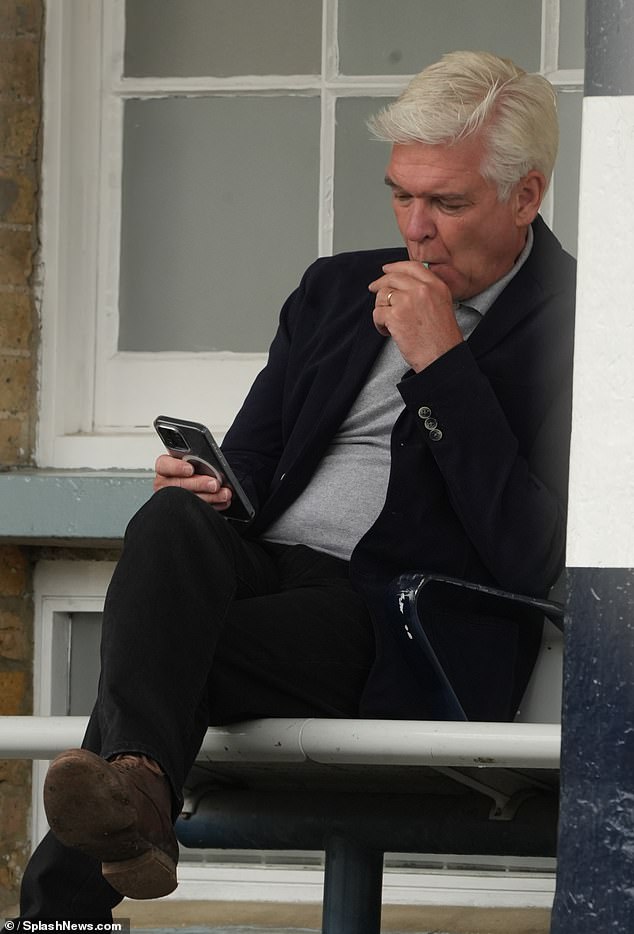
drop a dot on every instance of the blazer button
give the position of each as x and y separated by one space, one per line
431 423
435 434
424 411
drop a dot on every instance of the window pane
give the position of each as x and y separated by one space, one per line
222 37
403 36
219 207
363 215
571 33
85 638
566 176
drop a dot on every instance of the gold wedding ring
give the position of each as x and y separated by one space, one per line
389 298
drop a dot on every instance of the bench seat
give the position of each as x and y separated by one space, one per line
355 789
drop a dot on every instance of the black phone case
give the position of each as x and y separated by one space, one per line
203 452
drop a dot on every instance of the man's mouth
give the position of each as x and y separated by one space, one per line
427 263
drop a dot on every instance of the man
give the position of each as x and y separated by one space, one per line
413 414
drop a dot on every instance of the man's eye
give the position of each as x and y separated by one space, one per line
451 207
402 196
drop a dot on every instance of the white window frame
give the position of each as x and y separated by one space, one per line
84 379
60 588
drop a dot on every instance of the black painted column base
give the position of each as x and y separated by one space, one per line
595 878
352 888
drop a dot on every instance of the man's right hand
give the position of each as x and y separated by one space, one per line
172 471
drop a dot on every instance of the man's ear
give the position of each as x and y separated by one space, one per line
528 195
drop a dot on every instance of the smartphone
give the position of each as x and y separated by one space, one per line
193 442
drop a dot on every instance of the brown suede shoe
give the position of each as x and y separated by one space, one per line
120 813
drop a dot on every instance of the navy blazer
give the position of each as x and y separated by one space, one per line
482 496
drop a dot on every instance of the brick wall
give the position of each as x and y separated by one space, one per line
20 110
15 698
21 23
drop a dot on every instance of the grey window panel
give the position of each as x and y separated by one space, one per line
85 638
220 200
566 175
571 33
222 37
363 212
403 36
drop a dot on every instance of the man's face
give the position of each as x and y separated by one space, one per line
449 216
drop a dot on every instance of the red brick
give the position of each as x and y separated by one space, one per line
21 17
14 644
18 193
15 440
14 571
16 319
14 695
16 256
16 384
14 772
19 75
18 129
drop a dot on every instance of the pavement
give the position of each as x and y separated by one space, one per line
202 917
207 917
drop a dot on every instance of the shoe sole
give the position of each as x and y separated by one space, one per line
87 809
151 875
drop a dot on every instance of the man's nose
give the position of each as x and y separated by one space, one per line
420 223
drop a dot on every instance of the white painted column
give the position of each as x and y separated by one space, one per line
596 829
601 512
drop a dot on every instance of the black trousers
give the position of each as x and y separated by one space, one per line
200 628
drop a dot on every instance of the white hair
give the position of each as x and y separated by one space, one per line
467 93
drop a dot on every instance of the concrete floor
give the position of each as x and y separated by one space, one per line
274 918
203 917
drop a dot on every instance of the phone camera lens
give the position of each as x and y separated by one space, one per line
173 439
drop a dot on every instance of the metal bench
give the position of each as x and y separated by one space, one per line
359 788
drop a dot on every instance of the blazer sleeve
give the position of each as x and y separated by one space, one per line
506 481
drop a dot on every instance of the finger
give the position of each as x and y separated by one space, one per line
379 318
379 284
203 483
161 481
404 279
410 266
400 278
384 297
196 483
403 285
168 466
207 488
212 500
220 500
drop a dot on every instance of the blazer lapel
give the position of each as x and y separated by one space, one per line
523 293
339 383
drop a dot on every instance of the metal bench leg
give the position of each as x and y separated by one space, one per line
352 888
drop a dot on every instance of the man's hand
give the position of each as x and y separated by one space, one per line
414 307
172 471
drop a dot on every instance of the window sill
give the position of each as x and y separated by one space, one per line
70 507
